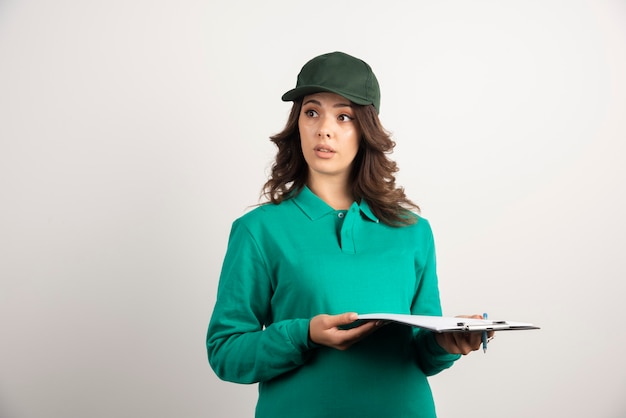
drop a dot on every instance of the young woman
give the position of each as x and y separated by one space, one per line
336 237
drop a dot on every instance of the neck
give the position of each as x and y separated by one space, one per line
335 193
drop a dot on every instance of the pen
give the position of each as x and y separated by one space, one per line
485 336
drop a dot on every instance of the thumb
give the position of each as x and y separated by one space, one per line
344 318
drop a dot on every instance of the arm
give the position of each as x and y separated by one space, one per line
431 356
243 344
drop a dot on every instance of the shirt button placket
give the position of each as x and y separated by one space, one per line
347 230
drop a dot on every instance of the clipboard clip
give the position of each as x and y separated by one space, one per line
491 326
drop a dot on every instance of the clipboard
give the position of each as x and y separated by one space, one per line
450 324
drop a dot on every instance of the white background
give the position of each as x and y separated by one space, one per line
132 133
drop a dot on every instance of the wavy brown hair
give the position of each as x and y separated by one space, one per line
372 177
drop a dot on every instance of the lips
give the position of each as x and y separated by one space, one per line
324 149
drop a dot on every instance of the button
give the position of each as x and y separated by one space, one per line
341 215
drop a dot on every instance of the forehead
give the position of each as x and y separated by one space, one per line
326 98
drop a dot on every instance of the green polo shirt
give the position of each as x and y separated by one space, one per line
287 263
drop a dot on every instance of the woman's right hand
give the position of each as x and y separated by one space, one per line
325 330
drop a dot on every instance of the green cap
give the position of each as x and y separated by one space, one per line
339 73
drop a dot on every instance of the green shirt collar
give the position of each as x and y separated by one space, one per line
315 208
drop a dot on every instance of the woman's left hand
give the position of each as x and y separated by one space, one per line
462 342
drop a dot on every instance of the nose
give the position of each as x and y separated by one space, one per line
324 129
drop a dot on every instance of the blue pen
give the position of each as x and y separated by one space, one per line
485 336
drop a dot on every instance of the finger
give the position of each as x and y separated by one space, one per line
346 338
364 329
451 342
462 342
341 319
475 340
475 316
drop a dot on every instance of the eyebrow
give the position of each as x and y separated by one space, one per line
316 102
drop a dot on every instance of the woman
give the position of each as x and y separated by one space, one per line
337 237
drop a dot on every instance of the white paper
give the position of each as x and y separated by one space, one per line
450 324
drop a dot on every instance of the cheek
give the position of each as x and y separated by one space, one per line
355 142
305 131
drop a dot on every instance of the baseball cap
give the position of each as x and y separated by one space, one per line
339 73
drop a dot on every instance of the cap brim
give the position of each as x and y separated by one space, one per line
302 91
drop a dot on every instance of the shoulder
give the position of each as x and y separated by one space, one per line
420 229
264 214
267 225
422 223
416 222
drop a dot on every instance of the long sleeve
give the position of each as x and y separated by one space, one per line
431 357
243 344
287 263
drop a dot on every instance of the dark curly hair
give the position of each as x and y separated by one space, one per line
372 177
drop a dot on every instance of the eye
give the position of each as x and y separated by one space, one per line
345 118
310 113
